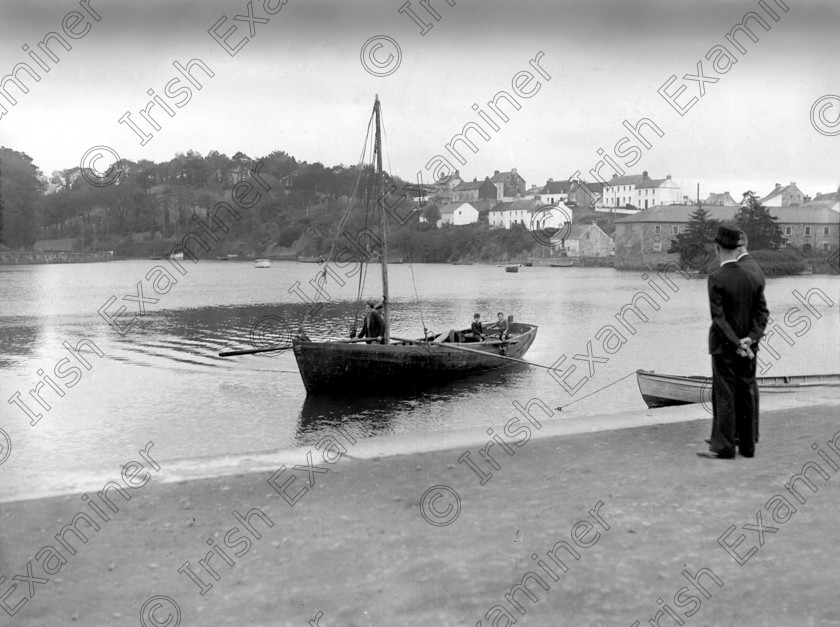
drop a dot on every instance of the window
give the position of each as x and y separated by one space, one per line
787 230
826 246
675 230
657 247
825 230
807 230
657 230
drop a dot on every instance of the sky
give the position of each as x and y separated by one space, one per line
298 84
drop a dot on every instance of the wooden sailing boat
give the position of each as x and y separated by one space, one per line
342 365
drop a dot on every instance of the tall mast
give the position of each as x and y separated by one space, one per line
382 225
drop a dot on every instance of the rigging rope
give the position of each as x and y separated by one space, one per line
632 372
417 298
322 276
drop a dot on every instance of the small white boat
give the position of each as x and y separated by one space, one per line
262 263
663 390
179 256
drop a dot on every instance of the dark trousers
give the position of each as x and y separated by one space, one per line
734 403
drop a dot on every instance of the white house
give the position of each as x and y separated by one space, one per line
554 192
641 191
653 192
504 214
458 214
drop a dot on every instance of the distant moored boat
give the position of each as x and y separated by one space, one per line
262 263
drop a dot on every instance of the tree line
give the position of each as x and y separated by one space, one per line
150 205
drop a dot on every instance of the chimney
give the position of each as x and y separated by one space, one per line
645 174
668 177
513 170
550 180
495 173
778 186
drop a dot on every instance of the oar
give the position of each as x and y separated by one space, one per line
252 351
472 350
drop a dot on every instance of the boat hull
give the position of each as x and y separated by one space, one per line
664 390
370 368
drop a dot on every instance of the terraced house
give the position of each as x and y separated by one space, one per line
640 191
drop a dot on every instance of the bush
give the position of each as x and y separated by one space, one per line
784 262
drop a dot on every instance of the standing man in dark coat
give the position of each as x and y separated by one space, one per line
739 317
747 262
374 323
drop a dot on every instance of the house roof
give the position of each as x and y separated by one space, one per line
819 212
454 206
630 179
517 205
556 187
503 176
723 199
812 213
464 186
781 190
578 230
595 188
652 183
835 196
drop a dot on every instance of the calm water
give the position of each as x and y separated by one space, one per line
163 381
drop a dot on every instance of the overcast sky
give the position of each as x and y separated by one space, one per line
298 85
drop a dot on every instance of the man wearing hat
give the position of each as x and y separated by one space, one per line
374 324
746 261
739 317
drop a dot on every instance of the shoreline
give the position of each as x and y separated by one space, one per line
355 547
416 443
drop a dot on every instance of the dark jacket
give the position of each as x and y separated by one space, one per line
373 326
738 308
750 264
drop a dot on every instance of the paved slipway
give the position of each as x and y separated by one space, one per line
354 549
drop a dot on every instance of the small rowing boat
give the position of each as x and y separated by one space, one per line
663 390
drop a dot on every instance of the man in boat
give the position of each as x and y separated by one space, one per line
739 317
476 328
502 324
374 324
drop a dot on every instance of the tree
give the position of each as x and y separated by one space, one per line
21 184
432 214
696 244
761 228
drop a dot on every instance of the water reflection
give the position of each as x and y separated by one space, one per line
379 411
